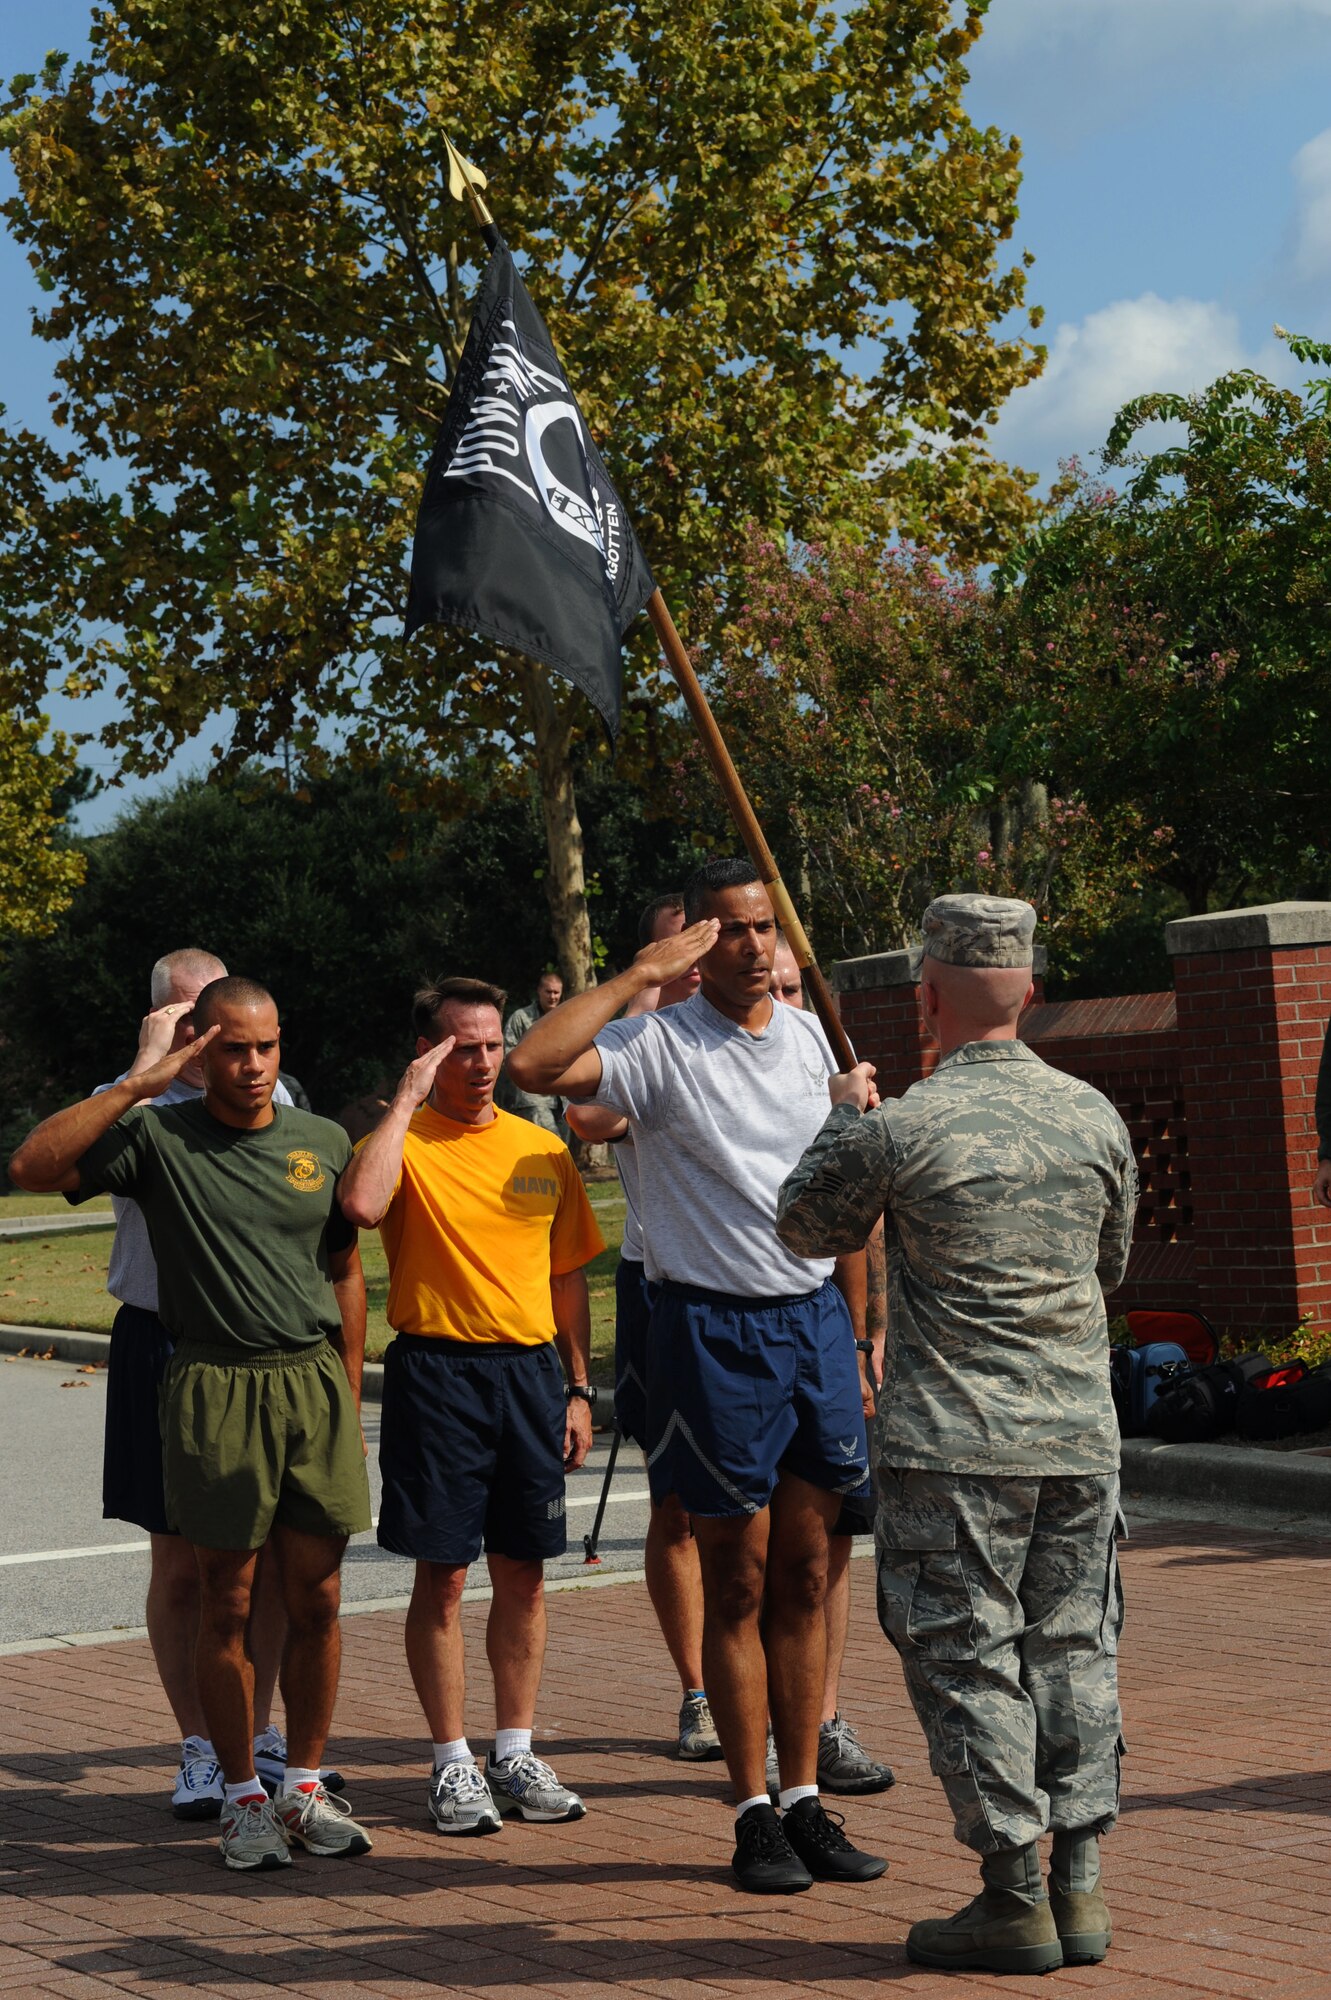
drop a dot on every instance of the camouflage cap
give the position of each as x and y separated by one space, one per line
986 931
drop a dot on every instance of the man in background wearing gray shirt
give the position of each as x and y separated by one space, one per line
132 1453
754 1406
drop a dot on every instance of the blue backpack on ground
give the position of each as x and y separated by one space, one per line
1137 1376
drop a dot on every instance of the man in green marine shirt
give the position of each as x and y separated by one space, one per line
262 1292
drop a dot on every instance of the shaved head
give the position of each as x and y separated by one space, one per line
183 973
984 996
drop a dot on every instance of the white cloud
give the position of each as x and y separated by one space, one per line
1097 364
1311 167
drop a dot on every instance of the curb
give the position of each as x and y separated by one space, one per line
17 1230
1224 1475
68 1345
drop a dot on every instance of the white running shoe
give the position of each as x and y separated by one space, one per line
319 1824
460 1800
523 1784
253 1836
198 1793
270 1761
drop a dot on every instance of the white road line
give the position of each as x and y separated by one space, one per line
134 1548
76 1555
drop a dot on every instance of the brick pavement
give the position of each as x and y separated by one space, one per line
1218 1873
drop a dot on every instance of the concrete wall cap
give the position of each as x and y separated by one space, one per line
898 968
1264 926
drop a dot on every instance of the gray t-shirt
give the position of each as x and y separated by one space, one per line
131 1274
718 1119
626 1161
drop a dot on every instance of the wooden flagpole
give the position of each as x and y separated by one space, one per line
464 183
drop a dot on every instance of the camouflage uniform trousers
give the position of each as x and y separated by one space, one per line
1002 1596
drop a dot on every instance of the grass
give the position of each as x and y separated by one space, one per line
60 1281
50 1204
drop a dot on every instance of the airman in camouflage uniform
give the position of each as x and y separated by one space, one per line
1009 1191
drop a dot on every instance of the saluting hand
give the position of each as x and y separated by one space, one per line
151 1082
855 1086
157 1032
671 957
418 1077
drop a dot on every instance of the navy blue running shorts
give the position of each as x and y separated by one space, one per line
632 1311
471 1448
132 1451
739 1388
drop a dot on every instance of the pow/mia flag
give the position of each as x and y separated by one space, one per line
520 535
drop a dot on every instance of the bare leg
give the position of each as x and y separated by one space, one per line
223 1670
836 1618
794 1632
733 1554
312 1590
434 1647
268 1633
674 1584
172 1618
515 1639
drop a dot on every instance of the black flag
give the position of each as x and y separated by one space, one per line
521 536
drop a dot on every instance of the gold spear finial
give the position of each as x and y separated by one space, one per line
465 182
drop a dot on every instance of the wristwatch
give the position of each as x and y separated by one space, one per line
864 1346
586 1391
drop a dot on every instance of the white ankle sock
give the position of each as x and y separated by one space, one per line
510 1743
202 1746
456 1752
248 1788
758 1799
295 1780
790 1795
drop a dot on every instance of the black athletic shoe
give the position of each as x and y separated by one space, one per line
764 1861
817 1839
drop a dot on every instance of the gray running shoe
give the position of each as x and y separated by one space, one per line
321 1825
270 1761
253 1836
844 1765
460 1800
523 1784
198 1793
773 1770
698 1740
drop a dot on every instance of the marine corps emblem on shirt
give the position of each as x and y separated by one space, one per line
304 1171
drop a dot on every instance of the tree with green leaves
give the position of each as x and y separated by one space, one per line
1187 622
900 744
39 870
767 240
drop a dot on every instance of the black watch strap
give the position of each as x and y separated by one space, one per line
864 1346
584 1391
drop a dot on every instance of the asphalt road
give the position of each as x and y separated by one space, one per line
65 1573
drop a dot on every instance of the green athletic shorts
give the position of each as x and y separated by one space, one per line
253 1439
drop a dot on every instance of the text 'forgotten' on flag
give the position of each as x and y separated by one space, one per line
521 537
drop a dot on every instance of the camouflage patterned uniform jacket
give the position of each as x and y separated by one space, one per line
1009 1190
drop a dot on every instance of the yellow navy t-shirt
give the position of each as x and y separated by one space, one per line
481 1218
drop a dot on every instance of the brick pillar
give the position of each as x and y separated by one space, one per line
1254 993
879 997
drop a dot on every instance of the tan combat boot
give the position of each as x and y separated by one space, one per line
1008 1927
1080 1911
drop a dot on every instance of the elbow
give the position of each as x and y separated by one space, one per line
793 1238
22 1171
356 1210
521 1071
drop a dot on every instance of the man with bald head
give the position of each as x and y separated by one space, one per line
263 1298
1008 1190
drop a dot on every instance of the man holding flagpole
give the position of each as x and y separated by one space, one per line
754 1406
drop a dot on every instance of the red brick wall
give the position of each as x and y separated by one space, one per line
1215 1083
1251 1026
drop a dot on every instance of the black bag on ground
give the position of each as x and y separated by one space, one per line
1202 1405
1286 1402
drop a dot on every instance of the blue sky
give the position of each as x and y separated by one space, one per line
1177 199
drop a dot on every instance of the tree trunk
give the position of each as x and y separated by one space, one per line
565 882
